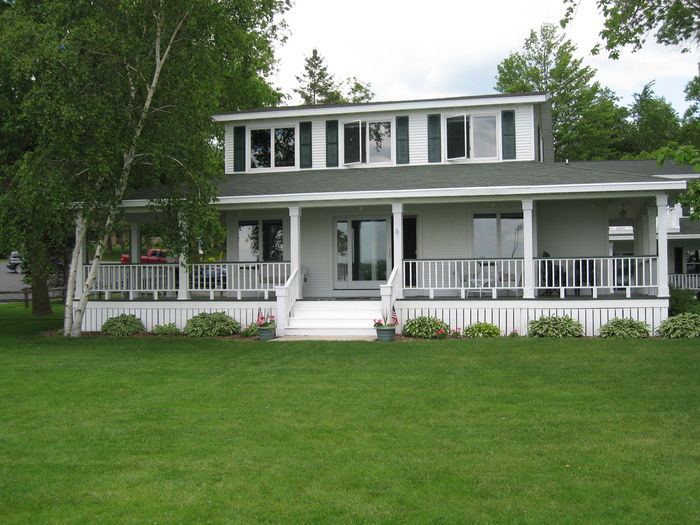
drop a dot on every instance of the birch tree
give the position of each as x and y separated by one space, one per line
124 103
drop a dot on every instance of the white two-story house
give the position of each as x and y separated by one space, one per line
454 208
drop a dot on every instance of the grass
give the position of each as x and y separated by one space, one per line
102 430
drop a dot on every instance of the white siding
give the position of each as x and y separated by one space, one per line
572 228
228 148
418 138
318 143
524 133
442 230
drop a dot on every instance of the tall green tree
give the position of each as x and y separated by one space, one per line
654 121
587 123
318 86
119 99
629 23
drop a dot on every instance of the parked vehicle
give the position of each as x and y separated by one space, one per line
14 262
153 256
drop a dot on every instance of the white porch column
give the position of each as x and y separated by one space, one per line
528 250
649 219
135 243
662 250
82 259
183 293
397 211
295 242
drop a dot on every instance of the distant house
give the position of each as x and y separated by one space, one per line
337 215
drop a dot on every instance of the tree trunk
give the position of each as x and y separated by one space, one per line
41 303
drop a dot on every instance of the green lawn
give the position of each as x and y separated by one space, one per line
510 431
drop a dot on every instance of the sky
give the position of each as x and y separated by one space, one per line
410 50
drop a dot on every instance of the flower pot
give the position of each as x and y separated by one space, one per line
265 333
386 333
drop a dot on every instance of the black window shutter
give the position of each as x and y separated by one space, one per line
305 144
331 143
508 132
239 148
434 138
402 140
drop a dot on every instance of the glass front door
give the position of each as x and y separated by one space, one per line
362 252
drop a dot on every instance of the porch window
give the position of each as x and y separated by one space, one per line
250 247
272 147
498 235
692 261
363 138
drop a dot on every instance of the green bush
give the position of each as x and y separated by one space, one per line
482 330
681 326
624 329
425 327
122 325
166 329
683 301
211 324
251 330
553 326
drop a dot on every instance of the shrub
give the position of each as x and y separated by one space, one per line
251 330
211 324
553 326
681 326
482 330
166 329
683 301
425 327
624 329
513 333
122 325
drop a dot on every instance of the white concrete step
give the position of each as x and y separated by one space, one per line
330 323
332 331
336 314
337 305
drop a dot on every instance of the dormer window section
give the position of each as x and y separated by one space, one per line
367 141
273 147
457 137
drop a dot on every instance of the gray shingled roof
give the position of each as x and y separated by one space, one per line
645 167
690 226
416 177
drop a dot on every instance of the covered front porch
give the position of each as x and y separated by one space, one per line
467 251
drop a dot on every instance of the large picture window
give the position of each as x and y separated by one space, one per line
367 141
273 147
498 235
251 247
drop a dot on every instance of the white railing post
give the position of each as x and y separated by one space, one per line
662 250
528 249
397 211
282 318
183 293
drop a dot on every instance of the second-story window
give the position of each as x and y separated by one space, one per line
272 147
367 142
471 137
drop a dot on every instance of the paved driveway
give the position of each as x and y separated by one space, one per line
10 281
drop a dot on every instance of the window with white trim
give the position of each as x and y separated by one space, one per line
367 142
471 136
498 235
273 147
251 247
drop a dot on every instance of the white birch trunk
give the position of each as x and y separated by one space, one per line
75 267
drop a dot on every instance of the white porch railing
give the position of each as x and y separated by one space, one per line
134 278
238 277
466 275
684 281
595 273
389 293
287 295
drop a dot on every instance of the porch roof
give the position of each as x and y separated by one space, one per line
522 177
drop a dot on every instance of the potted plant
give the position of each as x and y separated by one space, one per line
266 327
386 331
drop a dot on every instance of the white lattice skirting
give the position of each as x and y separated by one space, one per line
516 314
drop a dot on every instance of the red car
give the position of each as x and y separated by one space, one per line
153 256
